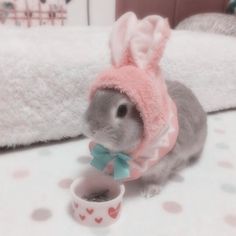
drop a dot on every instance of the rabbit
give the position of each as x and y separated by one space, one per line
115 119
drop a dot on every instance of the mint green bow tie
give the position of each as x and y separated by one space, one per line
102 156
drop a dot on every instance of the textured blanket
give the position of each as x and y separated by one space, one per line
210 22
45 74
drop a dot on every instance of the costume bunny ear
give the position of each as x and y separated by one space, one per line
148 42
120 38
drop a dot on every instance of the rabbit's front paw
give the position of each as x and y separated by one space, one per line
150 190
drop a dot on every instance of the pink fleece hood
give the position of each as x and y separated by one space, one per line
136 49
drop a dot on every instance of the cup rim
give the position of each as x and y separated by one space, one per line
86 202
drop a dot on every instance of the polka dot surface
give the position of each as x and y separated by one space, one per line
220 131
41 214
226 164
20 173
228 188
230 220
222 146
217 118
65 183
34 190
44 152
172 207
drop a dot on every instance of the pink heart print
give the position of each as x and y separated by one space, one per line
82 217
113 212
89 210
98 220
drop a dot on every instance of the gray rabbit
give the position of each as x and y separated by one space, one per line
114 120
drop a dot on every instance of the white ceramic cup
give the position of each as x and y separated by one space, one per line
92 213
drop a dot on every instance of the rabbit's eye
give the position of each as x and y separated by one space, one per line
122 111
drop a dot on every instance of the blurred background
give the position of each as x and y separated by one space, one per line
102 12
69 12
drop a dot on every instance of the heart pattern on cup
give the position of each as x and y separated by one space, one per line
89 210
98 220
113 212
85 214
82 217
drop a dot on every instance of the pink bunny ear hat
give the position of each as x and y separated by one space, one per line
137 47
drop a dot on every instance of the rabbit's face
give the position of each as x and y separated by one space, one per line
113 121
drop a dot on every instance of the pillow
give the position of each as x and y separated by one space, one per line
211 23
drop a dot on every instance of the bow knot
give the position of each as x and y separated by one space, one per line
102 157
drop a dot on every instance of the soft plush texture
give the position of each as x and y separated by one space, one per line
210 22
157 110
45 76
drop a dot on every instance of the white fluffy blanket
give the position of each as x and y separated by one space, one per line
45 75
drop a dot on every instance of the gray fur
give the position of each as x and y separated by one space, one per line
190 141
124 134
102 125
